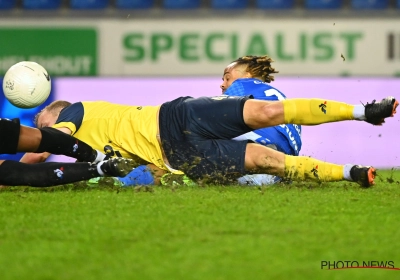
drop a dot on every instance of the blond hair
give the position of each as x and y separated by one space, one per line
54 108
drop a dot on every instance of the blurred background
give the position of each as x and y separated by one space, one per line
145 52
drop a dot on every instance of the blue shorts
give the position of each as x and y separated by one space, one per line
196 136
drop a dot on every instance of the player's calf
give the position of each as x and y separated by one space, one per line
59 143
46 174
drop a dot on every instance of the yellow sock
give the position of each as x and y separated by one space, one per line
316 111
306 168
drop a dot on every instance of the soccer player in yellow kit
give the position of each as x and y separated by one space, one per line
108 127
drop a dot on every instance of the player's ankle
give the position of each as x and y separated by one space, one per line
98 156
359 112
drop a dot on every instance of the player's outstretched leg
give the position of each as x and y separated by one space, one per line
317 111
60 143
48 174
376 112
310 168
301 168
20 138
260 159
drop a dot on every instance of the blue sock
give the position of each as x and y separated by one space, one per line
141 175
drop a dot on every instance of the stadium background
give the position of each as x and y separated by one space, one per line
147 52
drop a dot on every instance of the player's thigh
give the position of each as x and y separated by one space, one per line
215 117
261 113
261 159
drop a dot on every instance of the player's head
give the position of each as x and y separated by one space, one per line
251 66
48 116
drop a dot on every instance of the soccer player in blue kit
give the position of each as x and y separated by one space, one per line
250 75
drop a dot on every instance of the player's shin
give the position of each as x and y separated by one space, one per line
316 111
59 143
45 174
299 168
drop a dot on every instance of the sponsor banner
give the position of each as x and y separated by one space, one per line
353 142
187 47
62 51
204 47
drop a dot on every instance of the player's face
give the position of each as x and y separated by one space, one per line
231 74
46 119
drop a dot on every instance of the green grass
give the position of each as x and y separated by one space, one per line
213 232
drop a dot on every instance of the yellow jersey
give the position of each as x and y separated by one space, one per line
131 131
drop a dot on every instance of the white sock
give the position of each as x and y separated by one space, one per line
359 112
346 172
101 173
100 156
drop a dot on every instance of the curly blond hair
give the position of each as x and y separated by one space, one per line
258 66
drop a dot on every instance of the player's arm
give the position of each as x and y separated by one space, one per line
34 158
41 157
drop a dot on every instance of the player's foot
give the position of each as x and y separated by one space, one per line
364 175
376 112
117 167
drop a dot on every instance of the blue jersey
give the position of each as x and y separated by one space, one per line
286 137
